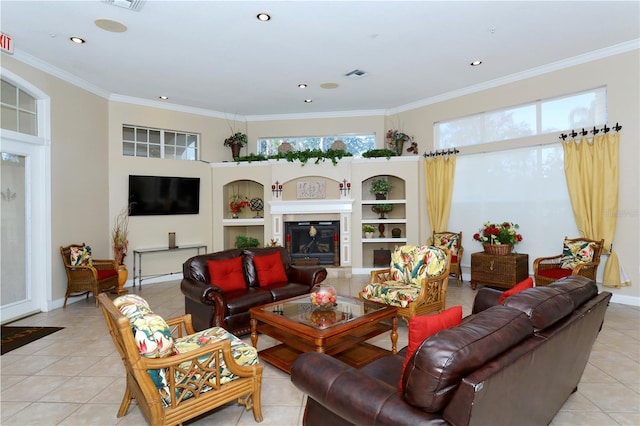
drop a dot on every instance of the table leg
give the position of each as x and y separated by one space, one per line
394 335
254 333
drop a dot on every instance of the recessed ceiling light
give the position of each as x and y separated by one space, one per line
308 101
263 17
77 40
302 85
164 98
475 63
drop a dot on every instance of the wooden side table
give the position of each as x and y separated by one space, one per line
499 271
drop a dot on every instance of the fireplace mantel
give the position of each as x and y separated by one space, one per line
311 206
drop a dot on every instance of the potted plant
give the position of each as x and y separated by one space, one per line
380 188
120 243
498 238
242 241
368 230
382 209
396 140
236 141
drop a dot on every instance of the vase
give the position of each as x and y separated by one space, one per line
498 249
381 230
323 296
381 196
399 146
122 278
234 215
368 235
235 150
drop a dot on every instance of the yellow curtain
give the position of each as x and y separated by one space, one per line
439 174
591 170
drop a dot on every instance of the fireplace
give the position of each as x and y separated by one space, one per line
313 240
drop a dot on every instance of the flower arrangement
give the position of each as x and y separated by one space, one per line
119 235
499 233
396 140
237 138
368 228
237 203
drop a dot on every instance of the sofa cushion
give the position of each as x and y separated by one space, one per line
106 273
555 273
441 361
423 326
80 256
578 288
448 240
576 252
544 305
522 285
270 269
409 264
227 273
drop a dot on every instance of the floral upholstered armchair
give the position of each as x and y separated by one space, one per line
416 281
580 256
452 241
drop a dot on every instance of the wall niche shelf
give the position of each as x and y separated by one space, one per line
246 224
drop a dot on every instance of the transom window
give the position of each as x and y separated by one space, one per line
576 111
18 110
356 143
158 143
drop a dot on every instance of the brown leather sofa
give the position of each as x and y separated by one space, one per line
510 364
210 306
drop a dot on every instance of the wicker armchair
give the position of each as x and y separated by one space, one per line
95 276
580 256
195 378
416 281
451 241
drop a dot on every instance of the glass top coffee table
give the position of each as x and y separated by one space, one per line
341 332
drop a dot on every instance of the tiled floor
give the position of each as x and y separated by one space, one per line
75 376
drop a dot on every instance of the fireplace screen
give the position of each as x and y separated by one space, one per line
314 240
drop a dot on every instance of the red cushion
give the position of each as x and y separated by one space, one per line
423 326
454 259
556 273
106 273
227 274
270 269
522 285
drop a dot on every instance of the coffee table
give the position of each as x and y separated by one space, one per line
341 332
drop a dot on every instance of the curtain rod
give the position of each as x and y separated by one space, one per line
436 153
593 131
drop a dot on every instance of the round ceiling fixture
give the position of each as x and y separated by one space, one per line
110 25
77 40
264 17
302 86
329 85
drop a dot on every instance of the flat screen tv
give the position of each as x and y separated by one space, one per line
163 195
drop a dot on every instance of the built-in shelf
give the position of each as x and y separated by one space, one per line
385 240
243 222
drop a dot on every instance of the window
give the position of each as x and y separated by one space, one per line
18 111
356 143
158 143
581 110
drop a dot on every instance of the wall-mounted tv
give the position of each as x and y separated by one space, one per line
163 195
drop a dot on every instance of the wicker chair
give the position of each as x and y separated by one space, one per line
201 388
98 276
425 291
451 241
580 256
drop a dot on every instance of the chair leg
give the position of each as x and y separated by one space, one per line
126 402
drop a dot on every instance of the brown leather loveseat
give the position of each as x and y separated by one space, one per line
510 364
237 284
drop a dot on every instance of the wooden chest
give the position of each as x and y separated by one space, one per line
498 271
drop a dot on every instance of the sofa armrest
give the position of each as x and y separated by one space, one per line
307 275
203 293
486 297
340 389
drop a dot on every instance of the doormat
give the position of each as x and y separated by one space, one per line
15 337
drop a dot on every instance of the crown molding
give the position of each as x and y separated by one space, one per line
534 72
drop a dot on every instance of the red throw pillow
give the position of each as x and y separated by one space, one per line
270 269
522 285
423 326
227 274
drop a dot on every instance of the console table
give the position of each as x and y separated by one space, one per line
137 255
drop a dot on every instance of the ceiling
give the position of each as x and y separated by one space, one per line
216 56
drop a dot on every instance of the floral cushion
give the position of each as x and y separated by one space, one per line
80 256
575 253
409 264
448 240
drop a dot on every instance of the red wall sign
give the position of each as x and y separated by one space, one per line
6 43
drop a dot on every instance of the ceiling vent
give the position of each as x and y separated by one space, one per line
127 4
356 74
